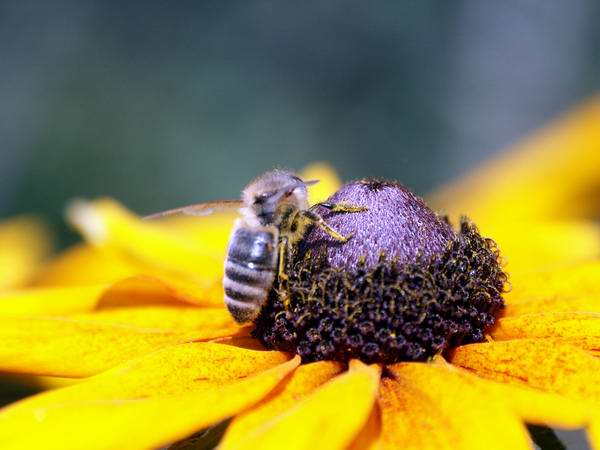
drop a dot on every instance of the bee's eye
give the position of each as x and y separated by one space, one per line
262 198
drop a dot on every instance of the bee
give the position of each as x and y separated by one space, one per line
274 217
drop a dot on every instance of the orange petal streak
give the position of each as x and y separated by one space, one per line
421 413
552 324
580 329
459 410
549 366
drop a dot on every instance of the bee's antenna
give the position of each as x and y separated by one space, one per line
310 182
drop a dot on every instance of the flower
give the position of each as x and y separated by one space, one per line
403 288
137 314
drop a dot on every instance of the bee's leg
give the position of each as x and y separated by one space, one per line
283 256
282 269
341 207
317 220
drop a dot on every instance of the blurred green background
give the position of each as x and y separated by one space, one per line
165 103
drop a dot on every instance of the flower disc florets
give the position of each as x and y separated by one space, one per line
405 287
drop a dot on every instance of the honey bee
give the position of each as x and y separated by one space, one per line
275 216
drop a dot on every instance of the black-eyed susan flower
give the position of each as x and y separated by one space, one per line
137 315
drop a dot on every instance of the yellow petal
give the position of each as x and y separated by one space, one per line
44 383
580 329
125 282
440 406
550 174
552 305
76 348
531 405
211 232
135 424
139 291
548 325
105 223
551 367
369 438
589 343
332 416
441 413
24 243
149 289
304 380
175 369
594 434
241 341
50 301
329 182
533 246
83 265
171 318
581 280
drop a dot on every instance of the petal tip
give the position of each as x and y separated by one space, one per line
82 215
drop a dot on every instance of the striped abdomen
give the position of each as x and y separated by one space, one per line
249 269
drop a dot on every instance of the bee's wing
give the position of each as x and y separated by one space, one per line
200 209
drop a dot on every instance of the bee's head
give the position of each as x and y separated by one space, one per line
264 196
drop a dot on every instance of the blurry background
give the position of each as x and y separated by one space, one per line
166 103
